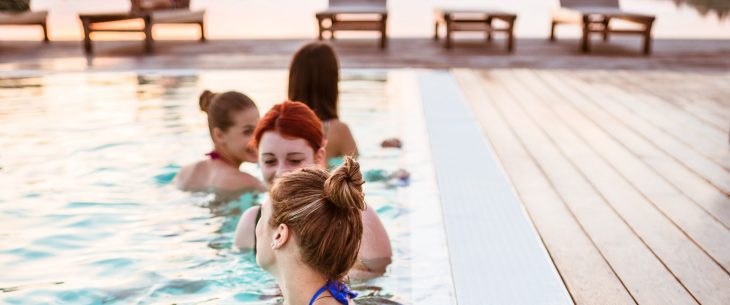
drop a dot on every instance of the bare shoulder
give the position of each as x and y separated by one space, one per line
184 178
237 180
341 140
339 127
246 228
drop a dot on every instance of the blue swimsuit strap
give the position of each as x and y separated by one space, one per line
338 290
320 291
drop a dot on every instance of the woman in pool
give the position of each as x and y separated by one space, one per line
310 231
313 79
290 137
232 119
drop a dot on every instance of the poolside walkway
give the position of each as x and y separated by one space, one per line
619 53
625 175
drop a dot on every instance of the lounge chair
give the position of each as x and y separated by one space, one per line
179 13
473 20
26 18
594 17
372 15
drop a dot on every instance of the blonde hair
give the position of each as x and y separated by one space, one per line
324 211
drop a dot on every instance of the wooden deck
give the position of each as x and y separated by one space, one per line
624 174
539 53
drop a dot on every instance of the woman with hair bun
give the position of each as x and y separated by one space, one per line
290 137
310 231
232 119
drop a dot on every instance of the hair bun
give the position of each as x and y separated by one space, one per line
204 101
344 186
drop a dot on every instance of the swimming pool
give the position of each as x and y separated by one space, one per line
88 214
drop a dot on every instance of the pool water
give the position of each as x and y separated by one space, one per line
88 214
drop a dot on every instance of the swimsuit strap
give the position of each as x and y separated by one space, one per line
258 217
338 290
214 155
316 294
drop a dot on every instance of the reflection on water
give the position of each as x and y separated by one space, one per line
88 214
721 8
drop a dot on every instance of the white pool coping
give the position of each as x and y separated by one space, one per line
495 253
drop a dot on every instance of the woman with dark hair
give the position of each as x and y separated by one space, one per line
232 119
289 137
313 80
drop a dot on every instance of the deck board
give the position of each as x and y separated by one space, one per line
598 162
706 140
695 222
587 275
613 238
695 175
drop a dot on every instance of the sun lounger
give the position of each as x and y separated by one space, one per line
474 20
372 15
179 14
26 18
594 17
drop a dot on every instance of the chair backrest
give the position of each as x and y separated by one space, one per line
589 3
136 4
382 3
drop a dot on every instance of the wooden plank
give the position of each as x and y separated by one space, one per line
701 227
586 274
651 283
619 176
495 253
640 138
699 88
694 133
691 91
692 100
715 173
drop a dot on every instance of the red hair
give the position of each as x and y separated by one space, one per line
291 119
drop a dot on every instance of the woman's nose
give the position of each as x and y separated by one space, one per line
282 169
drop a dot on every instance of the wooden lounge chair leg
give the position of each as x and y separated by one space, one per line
647 37
489 32
87 36
605 29
448 42
436 30
321 27
383 33
511 36
148 34
585 41
552 30
202 32
333 19
44 25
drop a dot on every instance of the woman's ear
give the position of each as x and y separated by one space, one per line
281 237
319 156
217 135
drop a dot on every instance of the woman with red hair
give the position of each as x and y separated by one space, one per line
290 137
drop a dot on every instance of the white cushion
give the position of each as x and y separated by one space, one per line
177 16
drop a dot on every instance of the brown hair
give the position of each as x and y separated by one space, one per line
313 79
324 212
220 106
293 119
